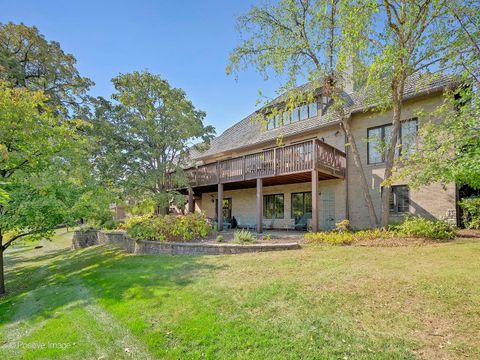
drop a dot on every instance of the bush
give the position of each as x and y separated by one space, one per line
330 237
112 225
244 236
220 238
424 228
471 212
168 228
343 237
342 226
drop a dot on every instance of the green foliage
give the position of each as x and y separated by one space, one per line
450 146
410 227
424 228
93 205
342 226
40 170
144 136
220 238
471 212
346 237
188 227
244 237
28 60
112 224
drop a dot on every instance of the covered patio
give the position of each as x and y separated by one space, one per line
304 162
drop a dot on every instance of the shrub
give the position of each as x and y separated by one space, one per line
330 237
111 224
244 236
421 227
219 238
471 212
142 228
169 227
342 226
346 237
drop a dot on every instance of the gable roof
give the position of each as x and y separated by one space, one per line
248 132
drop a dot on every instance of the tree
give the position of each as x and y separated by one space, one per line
308 40
145 135
36 180
410 37
451 147
28 60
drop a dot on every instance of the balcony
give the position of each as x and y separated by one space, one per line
280 161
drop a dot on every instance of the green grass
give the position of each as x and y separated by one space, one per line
320 302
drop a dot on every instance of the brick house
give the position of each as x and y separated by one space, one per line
310 180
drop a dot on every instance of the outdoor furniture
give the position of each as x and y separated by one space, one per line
302 224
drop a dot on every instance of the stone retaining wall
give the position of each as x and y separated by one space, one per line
82 239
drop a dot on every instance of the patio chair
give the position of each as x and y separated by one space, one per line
302 224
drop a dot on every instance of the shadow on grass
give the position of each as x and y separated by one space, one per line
40 286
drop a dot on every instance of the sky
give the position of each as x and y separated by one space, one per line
186 42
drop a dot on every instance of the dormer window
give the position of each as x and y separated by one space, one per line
297 114
304 112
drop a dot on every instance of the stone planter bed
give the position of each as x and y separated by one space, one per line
82 239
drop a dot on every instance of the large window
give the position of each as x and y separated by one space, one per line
399 199
273 206
379 137
301 206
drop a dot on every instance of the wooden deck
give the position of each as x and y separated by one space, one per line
277 162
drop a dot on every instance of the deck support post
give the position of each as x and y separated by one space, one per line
314 200
191 207
220 207
259 205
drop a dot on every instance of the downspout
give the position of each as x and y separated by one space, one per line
347 202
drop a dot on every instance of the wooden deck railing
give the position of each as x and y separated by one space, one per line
289 159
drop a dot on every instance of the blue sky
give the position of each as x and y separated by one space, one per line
186 42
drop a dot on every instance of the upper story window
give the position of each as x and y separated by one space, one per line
287 117
379 137
399 199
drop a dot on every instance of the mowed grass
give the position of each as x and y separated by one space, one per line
320 302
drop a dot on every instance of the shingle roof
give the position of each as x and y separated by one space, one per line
248 132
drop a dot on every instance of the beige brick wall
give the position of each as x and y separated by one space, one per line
244 202
430 201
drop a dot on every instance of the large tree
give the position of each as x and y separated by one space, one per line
39 176
28 60
305 40
145 135
409 38
451 147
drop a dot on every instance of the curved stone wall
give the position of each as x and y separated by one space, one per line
82 239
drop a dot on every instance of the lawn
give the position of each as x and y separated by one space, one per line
315 303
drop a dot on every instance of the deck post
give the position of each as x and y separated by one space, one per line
314 200
314 153
259 205
191 207
220 207
275 161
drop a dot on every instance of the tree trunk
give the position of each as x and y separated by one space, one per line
358 163
397 93
2 277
